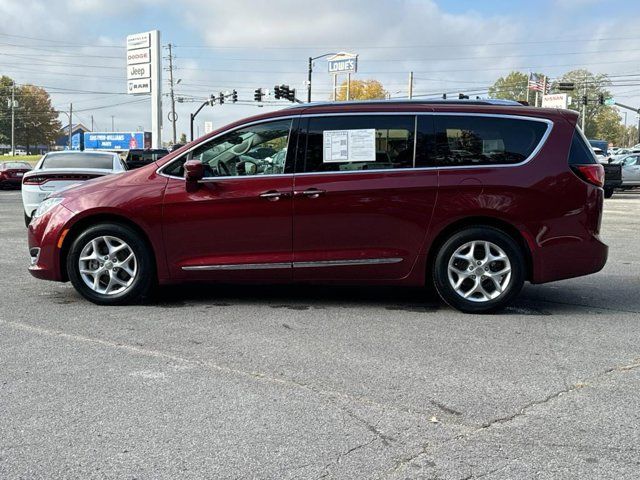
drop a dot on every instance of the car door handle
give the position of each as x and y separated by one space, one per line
274 195
310 193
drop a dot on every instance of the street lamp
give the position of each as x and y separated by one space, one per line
311 59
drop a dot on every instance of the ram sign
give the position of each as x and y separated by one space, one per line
343 63
116 140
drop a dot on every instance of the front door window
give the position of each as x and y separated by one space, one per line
255 150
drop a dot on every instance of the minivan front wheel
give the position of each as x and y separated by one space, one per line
479 270
110 264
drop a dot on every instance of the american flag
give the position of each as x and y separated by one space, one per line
537 82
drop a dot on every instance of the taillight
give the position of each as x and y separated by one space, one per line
592 173
40 179
34 180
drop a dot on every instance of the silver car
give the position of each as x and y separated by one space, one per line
630 170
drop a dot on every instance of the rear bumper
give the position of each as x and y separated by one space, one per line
44 234
10 182
569 259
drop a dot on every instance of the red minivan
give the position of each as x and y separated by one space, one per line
474 196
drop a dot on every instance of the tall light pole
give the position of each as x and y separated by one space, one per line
310 72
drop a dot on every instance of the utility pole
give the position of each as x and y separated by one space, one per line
173 100
70 123
410 85
92 123
584 104
309 73
13 119
112 124
348 86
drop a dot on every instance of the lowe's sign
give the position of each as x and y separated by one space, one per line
116 140
343 63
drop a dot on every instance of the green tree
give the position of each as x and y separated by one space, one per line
512 87
592 85
361 90
608 126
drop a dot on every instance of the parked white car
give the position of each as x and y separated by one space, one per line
630 170
58 170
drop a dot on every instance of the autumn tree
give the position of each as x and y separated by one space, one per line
5 109
36 121
361 90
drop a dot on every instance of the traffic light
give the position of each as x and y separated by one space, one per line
584 100
566 86
462 96
277 92
212 100
601 99
221 98
284 92
234 96
257 94
444 96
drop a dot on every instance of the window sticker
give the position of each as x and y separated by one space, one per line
349 145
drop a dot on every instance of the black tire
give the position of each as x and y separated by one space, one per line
145 280
608 192
479 233
27 220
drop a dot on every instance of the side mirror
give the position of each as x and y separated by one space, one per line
193 173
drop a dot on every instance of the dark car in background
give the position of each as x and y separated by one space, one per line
476 197
11 173
137 158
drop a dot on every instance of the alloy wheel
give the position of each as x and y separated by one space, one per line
479 271
107 265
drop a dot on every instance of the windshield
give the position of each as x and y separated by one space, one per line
10 165
78 160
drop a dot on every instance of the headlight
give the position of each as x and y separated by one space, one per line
47 205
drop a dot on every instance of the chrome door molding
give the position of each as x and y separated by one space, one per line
316 264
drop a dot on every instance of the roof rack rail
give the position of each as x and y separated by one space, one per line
488 101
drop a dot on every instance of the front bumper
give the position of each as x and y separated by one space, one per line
44 233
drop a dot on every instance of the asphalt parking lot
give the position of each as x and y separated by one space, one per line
311 382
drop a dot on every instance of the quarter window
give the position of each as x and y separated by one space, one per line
359 142
256 150
461 140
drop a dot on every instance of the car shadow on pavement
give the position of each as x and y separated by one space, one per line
299 297
306 297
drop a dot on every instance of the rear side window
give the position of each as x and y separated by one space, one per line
581 152
462 140
359 142
78 160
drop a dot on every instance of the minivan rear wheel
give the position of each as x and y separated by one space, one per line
110 264
479 270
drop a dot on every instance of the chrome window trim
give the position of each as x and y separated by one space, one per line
316 264
532 155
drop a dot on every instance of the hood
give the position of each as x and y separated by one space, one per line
131 178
